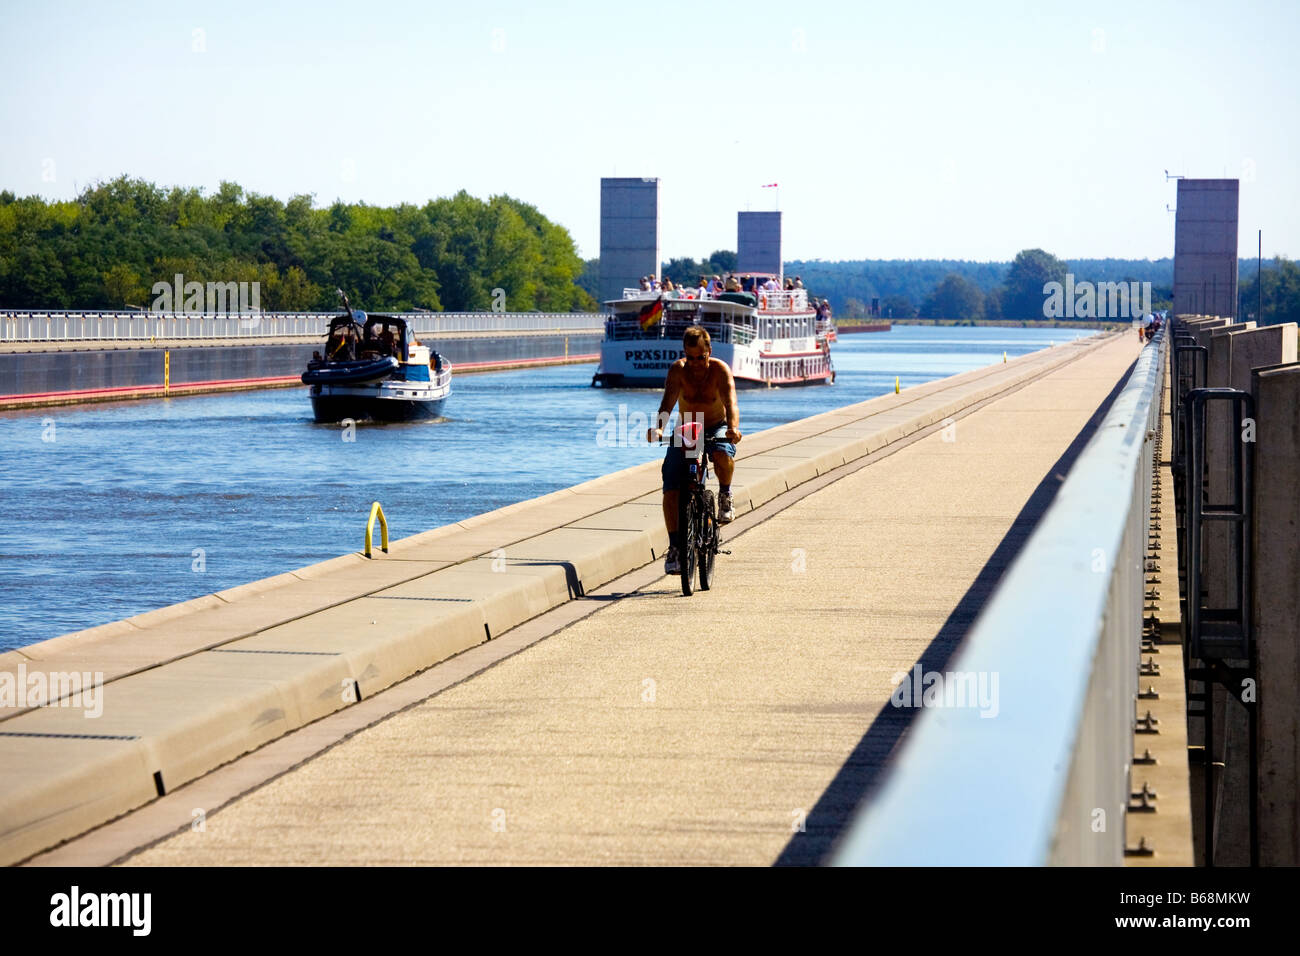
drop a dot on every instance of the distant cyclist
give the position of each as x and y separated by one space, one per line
704 390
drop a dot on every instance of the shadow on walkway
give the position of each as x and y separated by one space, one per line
861 772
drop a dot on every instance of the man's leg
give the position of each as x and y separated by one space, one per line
670 511
724 466
672 475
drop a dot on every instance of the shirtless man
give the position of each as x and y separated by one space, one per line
703 390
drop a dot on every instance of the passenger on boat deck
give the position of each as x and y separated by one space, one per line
645 283
733 284
668 287
770 285
702 290
798 282
747 284
715 286
789 285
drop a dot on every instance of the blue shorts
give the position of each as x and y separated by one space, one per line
674 461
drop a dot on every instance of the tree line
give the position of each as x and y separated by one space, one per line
108 247
958 289
965 290
1281 298
932 288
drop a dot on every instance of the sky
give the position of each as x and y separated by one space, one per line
894 130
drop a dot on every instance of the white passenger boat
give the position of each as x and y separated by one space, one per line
768 339
374 369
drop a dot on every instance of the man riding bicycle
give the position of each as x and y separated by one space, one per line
704 390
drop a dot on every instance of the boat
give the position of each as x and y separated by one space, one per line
767 338
374 369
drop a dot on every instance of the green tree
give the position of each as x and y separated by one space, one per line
993 304
1281 283
854 309
123 287
589 278
897 307
954 298
296 293
683 271
1022 295
120 237
721 262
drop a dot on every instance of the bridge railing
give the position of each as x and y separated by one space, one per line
1038 771
58 326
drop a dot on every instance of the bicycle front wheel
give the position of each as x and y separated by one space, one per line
688 516
708 540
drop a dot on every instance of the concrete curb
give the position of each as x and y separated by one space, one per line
193 686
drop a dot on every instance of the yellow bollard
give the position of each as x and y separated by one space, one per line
375 510
167 372
1004 358
895 384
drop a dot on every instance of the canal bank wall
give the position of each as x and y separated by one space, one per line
43 374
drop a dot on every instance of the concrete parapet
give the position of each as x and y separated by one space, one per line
1203 330
1234 351
1219 556
1277 610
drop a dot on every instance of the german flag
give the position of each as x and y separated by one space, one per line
651 313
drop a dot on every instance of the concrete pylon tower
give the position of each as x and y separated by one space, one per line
1205 248
758 242
629 233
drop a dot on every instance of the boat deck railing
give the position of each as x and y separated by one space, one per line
740 332
794 300
738 327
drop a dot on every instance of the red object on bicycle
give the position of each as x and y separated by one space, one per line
689 433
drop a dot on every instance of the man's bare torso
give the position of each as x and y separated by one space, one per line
702 393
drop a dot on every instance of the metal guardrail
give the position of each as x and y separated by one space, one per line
54 326
1046 779
376 511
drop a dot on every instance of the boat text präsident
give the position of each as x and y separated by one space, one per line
767 338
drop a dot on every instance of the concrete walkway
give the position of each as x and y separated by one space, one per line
702 730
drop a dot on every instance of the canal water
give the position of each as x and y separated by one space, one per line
115 509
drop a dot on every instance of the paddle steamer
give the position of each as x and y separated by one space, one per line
767 338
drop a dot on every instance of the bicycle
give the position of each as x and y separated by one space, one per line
697 512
